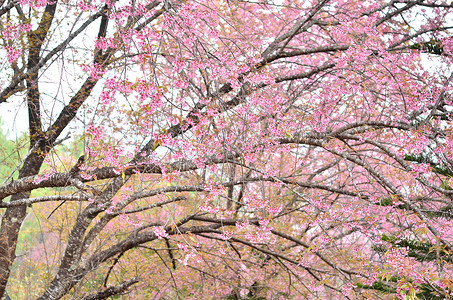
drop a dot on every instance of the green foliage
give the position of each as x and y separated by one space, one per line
28 234
443 212
11 152
422 158
378 285
76 148
388 201
425 291
432 47
421 251
445 186
385 202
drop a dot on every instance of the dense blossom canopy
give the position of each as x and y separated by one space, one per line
280 149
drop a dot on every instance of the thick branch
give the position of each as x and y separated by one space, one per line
112 290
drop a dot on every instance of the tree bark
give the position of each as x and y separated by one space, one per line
12 221
14 216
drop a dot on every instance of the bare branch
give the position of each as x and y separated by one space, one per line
112 290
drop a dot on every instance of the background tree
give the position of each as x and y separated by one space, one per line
231 148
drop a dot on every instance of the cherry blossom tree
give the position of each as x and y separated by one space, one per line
230 149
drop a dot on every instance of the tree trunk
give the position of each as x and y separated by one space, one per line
12 221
